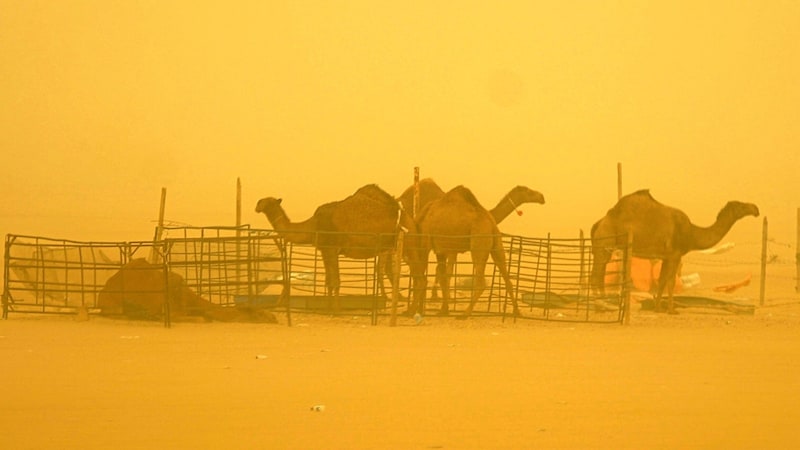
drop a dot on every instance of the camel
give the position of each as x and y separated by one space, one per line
363 225
511 202
457 223
139 290
430 191
659 232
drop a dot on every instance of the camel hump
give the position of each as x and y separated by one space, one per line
376 193
428 182
633 200
642 193
464 193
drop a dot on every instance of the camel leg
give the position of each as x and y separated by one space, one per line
440 267
499 258
600 257
478 284
417 259
666 281
670 283
332 281
384 267
420 281
445 265
420 287
385 270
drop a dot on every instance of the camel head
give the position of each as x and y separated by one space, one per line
271 207
523 194
737 210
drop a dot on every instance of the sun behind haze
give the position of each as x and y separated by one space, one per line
104 103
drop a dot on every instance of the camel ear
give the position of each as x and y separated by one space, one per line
280 200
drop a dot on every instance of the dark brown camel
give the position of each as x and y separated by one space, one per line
457 223
659 232
363 225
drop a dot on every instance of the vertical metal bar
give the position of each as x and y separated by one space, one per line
536 273
764 236
398 257
627 281
80 268
6 264
797 254
582 273
167 308
286 255
547 278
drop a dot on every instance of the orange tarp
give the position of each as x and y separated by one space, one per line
644 275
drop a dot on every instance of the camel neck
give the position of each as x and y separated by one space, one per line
503 209
296 232
707 237
278 219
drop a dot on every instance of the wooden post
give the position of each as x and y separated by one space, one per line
628 282
239 237
764 235
238 202
398 258
154 256
797 254
619 181
415 209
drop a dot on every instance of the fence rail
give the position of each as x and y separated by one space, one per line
236 266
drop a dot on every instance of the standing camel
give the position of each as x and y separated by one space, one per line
363 225
454 224
659 232
429 191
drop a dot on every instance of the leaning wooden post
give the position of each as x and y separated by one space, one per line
764 235
628 281
398 258
154 256
797 255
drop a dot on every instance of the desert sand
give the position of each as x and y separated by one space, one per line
700 379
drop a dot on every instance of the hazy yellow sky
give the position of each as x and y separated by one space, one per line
104 103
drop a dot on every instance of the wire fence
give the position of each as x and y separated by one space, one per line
233 267
229 266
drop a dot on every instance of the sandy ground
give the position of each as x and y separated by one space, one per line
695 380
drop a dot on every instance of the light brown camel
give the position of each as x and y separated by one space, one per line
457 223
363 225
659 232
139 290
430 191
